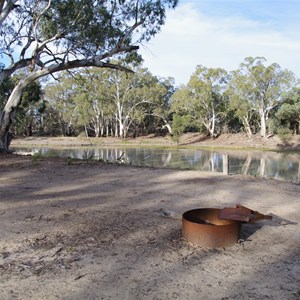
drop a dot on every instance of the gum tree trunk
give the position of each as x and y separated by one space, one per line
263 125
247 126
8 113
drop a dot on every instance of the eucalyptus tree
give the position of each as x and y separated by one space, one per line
132 96
45 37
203 97
29 114
31 107
161 111
154 96
256 88
180 123
288 114
239 105
93 108
110 102
60 117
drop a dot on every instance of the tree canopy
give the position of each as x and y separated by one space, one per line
288 114
251 94
260 88
202 97
107 102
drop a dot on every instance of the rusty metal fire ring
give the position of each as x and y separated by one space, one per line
203 227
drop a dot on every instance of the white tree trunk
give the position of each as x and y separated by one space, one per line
86 131
116 128
9 111
97 126
247 126
168 126
121 129
97 131
263 124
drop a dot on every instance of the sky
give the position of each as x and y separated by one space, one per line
221 34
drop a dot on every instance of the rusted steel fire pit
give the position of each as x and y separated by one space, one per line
203 227
214 228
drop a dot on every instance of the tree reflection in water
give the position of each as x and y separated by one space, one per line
270 164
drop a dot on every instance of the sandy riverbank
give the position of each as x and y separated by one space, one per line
229 141
94 231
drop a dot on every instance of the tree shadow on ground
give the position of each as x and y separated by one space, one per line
196 139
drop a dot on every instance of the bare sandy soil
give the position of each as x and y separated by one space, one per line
95 231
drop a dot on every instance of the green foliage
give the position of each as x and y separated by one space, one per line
29 112
284 134
179 125
82 28
86 26
60 116
203 97
97 99
289 112
181 102
256 88
5 89
240 106
101 100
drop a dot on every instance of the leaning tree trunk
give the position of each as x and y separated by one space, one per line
167 125
247 126
13 102
8 113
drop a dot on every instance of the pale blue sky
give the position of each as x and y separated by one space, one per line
221 33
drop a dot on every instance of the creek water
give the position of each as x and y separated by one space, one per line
269 164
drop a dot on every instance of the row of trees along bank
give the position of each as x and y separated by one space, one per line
100 102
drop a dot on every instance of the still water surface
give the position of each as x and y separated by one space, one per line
278 165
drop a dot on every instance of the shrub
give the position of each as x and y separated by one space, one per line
179 125
284 134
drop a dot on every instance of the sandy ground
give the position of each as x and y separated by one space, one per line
94 231
234 141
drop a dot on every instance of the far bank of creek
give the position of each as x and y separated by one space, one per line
268 164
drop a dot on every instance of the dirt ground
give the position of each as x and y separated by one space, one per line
235 141
95 231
